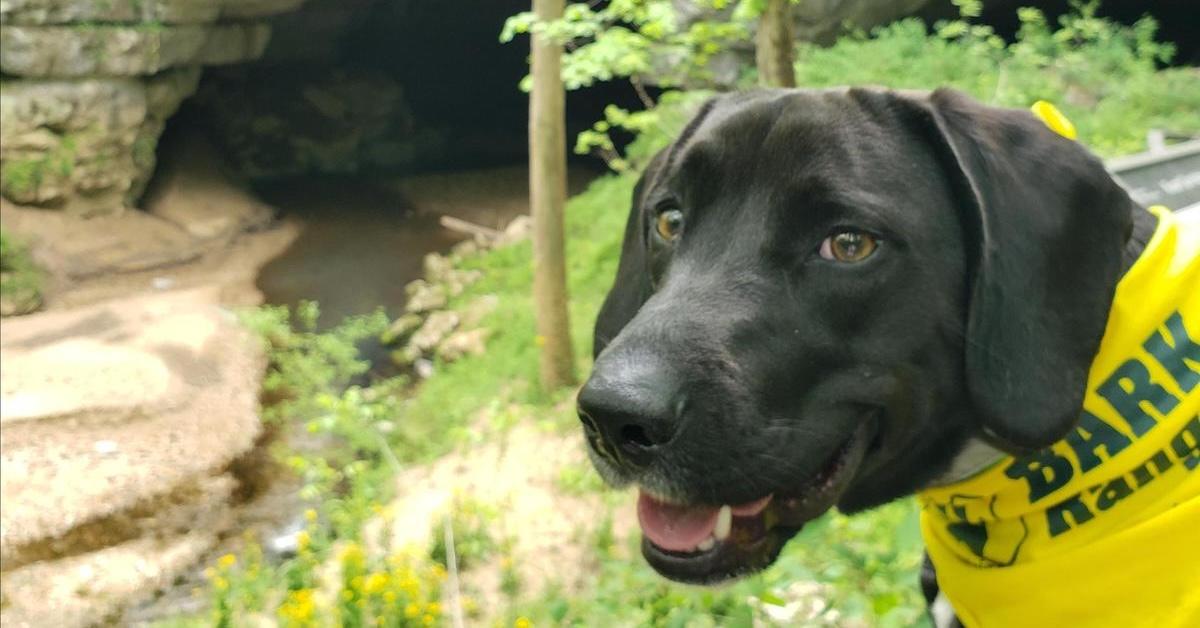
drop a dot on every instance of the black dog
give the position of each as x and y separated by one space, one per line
839 298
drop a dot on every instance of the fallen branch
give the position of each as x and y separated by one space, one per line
469 228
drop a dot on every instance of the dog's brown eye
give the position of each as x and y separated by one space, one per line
670 224
848 246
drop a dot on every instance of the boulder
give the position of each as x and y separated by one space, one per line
516 231
436 328
462 343
424 296
437 267
401 329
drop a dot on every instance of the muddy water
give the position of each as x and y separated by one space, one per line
363 239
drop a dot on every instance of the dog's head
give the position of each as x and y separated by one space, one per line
823 294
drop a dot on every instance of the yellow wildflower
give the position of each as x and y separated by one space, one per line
227 561
433 608
352 553
412 610
299 606
428 620
302 540
310 515
375 583
522 622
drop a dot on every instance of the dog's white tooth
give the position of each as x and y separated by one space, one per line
724 523
706 544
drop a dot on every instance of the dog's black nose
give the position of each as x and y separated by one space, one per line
630 409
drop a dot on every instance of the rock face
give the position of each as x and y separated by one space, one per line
119 420
89 85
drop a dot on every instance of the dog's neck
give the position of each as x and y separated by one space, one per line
1144 225
976 454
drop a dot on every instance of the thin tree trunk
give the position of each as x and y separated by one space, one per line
547 195
776 46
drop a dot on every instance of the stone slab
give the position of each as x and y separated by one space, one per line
57 472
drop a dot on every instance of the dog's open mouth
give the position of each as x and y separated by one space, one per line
704 544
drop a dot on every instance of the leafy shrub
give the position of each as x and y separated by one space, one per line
1102 74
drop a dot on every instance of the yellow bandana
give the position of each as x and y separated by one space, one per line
1103 527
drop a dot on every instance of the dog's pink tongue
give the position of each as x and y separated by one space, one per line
675 528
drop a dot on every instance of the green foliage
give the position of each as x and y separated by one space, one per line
1101 74
305 364
628 38
471 521
20 279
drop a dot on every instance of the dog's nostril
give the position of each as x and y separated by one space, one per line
636 435
588 424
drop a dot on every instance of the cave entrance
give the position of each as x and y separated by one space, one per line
364 122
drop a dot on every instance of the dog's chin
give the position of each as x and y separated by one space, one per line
743 538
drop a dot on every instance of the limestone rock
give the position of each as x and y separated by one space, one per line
461 343
77 51
242 9
516 231
463 249
84 590
405 356
234 43
89 85
437 267
84 146
424 297
436 328
114 243
38 12
191 409
456 280
401 329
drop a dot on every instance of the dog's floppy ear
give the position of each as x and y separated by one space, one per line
632 286
1045 227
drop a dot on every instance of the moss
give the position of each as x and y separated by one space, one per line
21 178
20 279
144 150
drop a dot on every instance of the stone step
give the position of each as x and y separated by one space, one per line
92 588
81 443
